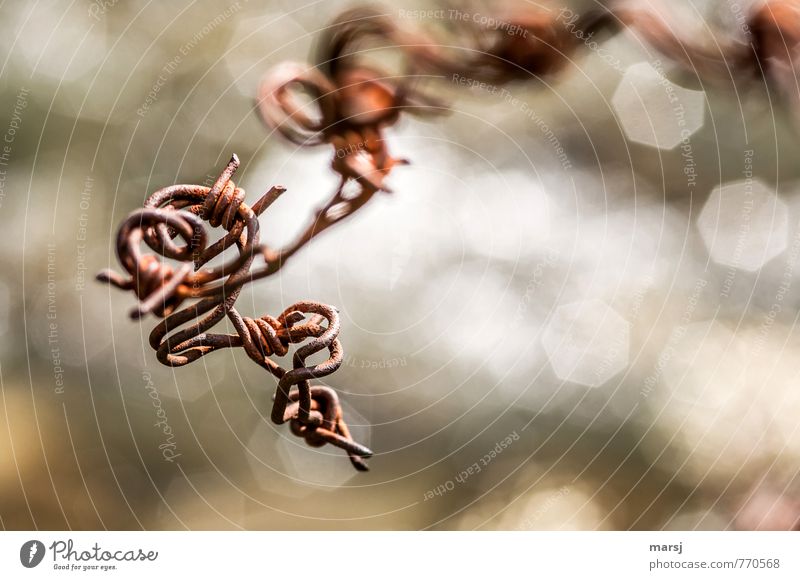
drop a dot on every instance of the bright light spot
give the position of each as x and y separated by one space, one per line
654 111
327 466
587 342
744 225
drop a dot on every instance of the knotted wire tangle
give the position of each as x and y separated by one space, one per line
182 211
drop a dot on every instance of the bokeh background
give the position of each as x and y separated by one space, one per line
577 310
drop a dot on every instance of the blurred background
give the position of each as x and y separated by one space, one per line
577 310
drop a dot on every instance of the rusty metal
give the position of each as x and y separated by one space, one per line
348 104
351 107
534 42
360 157
183 336
765 45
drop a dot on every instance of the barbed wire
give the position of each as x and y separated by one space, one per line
351 106
353 100
182 337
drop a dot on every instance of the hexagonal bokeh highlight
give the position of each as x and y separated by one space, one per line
654 111
587 342
266 465
744 225
324 467
279 460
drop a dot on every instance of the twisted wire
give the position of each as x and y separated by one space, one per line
180 212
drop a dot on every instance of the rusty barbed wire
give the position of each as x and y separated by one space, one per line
352 105
765 46
356 101
352 125
182 211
